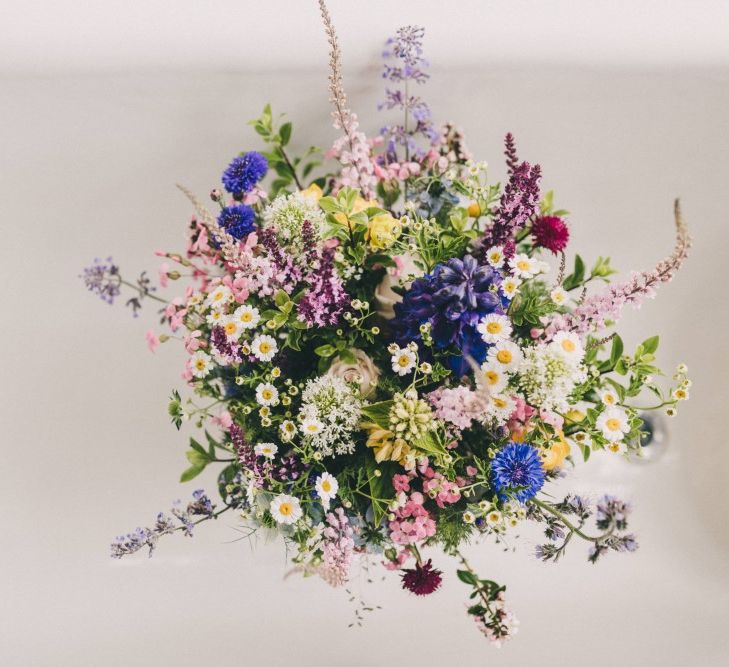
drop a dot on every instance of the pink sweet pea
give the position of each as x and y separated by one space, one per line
152 340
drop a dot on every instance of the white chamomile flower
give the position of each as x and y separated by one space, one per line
200 364
510 286
495 256
559 296
493 518
680 394
403 361
286 509
264 347
326 486
469 517
494 377
494 328
568 343
613 423
311 426
247 316
287 430
220 297
616 447
267 449
501 407
505 354
215 318
523 266
232 328
195 299
266 394
609 397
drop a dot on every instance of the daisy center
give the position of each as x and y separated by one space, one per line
267 393
523 265
265 348
504 356
493 327
326 486
613 424
403 361
285 509
200 364
246 317
492 377
568 345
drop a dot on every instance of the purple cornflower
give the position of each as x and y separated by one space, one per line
326 300
244 172
103 278
237 220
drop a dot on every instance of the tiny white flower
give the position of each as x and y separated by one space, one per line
220 297
613 423
493 518
266 394
469 517
559 296
568 343
247 316
403 361
506 354
311 426
502 406
494 328
495 377
200 364
680 394
326 486
286 509
215 318
510 286
264 347
495 256
523 266
267 449
287 430
609 397
232 328
616 447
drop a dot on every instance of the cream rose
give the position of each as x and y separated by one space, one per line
386 297
362 371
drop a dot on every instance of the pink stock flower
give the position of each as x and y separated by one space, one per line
152 340
412 522
440 489
163 277
401 483
193 341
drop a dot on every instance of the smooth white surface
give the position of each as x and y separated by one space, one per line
87 168
58 35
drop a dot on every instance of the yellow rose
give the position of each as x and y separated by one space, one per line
313 193
383 230
555 455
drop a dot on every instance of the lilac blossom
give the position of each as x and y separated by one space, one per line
338 548
326 300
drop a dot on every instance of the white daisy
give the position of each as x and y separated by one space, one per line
286 509
311 426
264 347
494 328
559 296
617 447
609 397
403 361
501 407
523 266
247 316
326 486
287 430
469 517
493 518
680 394
613 423
568 343
267 449
200 364
215 318
266 394
494 377
510 286
220 297
505 354
232 328
495 256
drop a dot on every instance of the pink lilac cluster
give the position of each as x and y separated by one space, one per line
412 522
338 548
459 406
355 155
440 489
498 624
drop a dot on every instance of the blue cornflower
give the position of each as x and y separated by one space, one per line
244 172
237 220
517 472
453 299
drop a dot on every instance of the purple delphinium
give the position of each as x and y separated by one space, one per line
244 172
237 220
452 299
326 299
404 63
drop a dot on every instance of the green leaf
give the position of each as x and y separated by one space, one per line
616 351
468 577
191 473
197 458
650 345
576 278
285 132
325 350
379 413
281 298
428 443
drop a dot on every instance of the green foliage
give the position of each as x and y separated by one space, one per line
530 304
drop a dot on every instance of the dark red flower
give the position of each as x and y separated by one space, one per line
422 579
551 232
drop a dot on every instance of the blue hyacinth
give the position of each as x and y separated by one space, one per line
452 299
237 220
244 172
517 472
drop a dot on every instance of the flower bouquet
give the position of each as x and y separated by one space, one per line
391 357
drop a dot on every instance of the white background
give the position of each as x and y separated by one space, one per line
104 107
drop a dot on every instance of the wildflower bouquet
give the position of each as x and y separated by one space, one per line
390 364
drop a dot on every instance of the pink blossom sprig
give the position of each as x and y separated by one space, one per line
597 309
338 549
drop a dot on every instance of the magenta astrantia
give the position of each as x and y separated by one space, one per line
386 358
